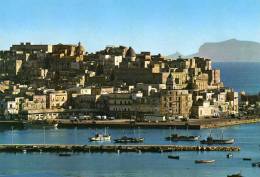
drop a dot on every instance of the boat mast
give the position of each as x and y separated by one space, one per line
139 132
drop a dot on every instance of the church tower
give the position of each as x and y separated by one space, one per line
170 83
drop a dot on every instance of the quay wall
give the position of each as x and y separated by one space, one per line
52 148
231 122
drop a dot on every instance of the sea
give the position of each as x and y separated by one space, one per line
240 76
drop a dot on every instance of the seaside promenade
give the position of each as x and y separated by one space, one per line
126 123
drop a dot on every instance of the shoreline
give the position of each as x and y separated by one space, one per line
191 124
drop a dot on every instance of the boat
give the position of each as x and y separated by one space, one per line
204 161
176 137
56 126
173 157
229 155
211 140
256 164
126 139
64 155
235 175
247 159
100 137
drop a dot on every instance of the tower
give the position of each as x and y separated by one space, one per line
130 54
170 83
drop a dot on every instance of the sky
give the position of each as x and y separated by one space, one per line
159 26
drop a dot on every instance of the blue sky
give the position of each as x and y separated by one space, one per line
160 26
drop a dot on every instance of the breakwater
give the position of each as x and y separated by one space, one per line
53 148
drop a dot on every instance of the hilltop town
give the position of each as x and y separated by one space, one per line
48 82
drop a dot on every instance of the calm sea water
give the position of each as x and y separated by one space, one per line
241 76
128 164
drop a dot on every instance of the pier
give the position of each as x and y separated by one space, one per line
61 148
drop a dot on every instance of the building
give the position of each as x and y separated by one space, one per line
175 102
57 99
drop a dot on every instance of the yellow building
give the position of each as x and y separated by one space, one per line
57 99
175 102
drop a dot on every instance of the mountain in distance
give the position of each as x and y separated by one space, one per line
229 50
175 55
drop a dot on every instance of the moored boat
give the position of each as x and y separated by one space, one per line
100 137
64 155
176 137
211 140
235 175
229 155
256 164
247 159
126 139
173 157
204 161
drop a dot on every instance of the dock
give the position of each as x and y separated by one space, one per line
61 148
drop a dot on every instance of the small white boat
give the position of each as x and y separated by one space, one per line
55 126
100 137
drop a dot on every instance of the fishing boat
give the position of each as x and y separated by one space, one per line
173 157
126 139
101 137
235 175
204 161
256 164
64 155
229 155
247 159
211 140
176 137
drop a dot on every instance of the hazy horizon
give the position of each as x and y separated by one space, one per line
160 27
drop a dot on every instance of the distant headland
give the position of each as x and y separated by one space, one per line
229 50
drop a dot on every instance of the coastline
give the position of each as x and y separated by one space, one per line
124 123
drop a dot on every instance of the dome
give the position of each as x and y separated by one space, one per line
130 52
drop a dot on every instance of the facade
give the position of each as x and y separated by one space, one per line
175 102
57 99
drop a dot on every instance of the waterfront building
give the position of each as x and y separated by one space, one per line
57 99
175 102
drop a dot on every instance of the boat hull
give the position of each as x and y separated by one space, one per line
228 141
204 161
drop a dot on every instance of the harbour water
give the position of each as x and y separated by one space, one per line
128 164
242 76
